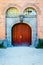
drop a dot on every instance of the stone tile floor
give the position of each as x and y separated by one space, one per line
21 56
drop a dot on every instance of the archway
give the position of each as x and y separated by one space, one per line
21 34
12 18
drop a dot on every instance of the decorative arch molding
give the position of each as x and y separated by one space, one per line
32 6
29 11
11 5
12 12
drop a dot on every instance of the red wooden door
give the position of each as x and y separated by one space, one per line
21 34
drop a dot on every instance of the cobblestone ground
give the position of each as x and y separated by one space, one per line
21 56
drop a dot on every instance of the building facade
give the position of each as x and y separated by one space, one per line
27 12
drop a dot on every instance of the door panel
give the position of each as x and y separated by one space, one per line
21 34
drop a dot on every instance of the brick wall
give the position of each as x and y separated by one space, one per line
21 5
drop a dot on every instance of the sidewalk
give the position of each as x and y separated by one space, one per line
21 56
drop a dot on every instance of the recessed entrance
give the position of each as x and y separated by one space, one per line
28 35
21 34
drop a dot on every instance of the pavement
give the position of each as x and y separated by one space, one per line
21 56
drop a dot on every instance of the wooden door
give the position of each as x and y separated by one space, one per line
21 34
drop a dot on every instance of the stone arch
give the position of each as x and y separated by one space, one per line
34 6
30 11
12 12
10 5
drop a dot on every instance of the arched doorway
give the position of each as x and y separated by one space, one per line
12 17
21 34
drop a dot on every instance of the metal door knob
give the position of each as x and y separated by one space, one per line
21 36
